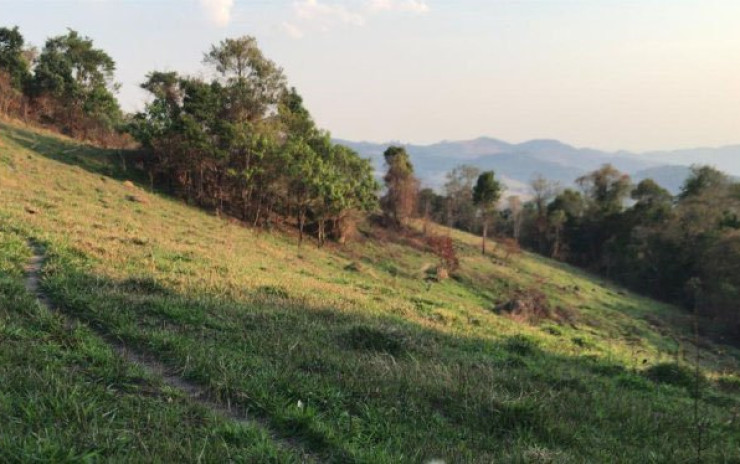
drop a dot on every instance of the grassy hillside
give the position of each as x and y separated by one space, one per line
351 351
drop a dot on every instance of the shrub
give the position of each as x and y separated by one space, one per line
444 248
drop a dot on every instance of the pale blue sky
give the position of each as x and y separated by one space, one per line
639 75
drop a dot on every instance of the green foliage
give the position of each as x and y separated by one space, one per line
79 77
220 145
459 209
606 189
487 191
70 88
399 201
703 179
486 194
656 245
13 60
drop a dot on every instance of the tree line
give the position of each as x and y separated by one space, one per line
68 85
243 144
684 249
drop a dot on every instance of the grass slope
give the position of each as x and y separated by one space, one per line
348 349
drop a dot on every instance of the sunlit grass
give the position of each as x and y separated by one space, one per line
386 365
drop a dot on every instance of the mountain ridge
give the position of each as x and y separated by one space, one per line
559 161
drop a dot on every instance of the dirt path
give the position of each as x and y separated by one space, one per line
154 368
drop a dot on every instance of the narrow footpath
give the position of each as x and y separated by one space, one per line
156 369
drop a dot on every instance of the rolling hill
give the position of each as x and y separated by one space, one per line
354 353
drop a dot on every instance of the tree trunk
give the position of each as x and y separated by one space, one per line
301 223
426 217
322 227
485 234
556 245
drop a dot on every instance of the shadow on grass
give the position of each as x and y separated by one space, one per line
359 388
115 163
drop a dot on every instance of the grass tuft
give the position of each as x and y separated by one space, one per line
372 339
673 374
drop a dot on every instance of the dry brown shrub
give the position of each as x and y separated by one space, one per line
532 307
510 247
444 248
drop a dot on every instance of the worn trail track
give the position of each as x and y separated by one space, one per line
156 369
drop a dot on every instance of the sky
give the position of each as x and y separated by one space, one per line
632 74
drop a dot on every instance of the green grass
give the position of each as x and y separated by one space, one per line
65 396
349 349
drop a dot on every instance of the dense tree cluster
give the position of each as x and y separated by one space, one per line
68 85
244 144
683 249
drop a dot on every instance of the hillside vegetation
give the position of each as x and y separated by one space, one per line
354 353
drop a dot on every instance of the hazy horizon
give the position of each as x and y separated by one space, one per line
601 74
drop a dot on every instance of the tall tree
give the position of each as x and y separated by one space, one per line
244 144
401 185
517 215
256 84
486 194
702 180
557 219
543 190
79 79
459 191
606 189
13 59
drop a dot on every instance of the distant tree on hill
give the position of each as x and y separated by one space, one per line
401 185
543 191
516 212
486 194
431 206
606 189
459 192
605 192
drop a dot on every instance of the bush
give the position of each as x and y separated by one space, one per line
444 248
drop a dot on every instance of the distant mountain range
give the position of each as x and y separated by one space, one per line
517 164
